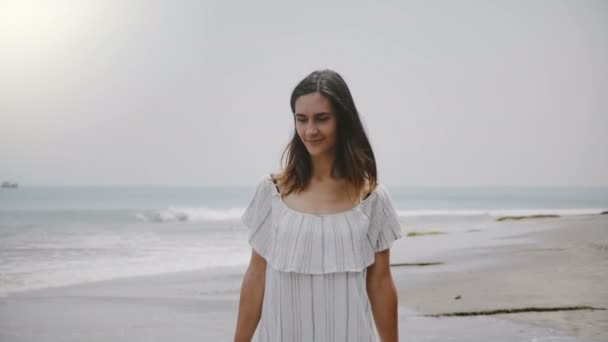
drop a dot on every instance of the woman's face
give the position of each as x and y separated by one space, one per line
316 123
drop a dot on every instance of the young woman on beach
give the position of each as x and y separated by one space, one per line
321 231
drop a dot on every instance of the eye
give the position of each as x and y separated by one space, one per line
325 118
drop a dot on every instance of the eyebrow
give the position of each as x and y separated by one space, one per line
318 114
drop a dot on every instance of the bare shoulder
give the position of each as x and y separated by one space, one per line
275 176
367 187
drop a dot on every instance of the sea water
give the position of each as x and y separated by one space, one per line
53 236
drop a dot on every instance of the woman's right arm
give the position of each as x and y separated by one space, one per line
252 296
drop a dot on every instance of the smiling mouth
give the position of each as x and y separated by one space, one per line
314 141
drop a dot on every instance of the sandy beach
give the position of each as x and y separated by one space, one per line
531 263
534 263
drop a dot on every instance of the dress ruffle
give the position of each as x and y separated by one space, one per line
292 241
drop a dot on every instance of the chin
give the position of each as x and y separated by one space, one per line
317 151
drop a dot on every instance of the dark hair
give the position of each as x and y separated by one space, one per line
354 158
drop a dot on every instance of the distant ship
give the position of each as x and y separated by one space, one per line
9 185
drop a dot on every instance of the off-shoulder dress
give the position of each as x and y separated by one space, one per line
316 265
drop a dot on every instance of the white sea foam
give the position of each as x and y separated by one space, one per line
498 212
173 214
80 259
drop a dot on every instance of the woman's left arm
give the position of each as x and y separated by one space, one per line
383 297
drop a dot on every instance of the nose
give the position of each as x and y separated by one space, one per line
311 130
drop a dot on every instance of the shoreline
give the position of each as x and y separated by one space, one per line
545 262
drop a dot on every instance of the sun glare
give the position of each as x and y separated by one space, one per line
29 28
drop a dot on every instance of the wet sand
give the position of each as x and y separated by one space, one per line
536 263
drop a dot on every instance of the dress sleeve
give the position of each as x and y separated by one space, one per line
258 219
384 221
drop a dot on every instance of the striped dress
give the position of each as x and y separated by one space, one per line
316 265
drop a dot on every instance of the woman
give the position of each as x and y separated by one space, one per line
321 231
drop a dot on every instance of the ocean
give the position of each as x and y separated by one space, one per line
54 236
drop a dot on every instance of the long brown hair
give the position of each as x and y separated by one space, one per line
354 158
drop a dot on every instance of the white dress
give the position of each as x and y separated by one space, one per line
316 265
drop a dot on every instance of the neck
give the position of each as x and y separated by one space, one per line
321 167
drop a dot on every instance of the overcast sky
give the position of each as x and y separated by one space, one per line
452 93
